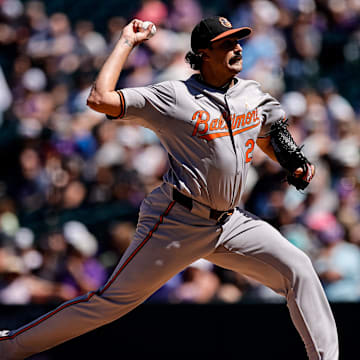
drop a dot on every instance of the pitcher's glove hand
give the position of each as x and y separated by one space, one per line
290 157
302 176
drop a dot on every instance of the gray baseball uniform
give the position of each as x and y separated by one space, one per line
210 137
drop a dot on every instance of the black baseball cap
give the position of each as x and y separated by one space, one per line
215 28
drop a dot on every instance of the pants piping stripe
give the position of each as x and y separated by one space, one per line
149 235
92 293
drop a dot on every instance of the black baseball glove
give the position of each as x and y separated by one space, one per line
290 156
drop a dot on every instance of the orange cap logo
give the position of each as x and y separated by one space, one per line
225 22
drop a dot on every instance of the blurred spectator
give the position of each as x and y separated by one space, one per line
33 184
120 236
82 270
54 249
338 262
199 284
152 10
19 286
183 15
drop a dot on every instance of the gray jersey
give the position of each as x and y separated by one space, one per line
192 121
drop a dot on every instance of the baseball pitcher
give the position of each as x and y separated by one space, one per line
209 125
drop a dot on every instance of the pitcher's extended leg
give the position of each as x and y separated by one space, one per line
254 248
162 247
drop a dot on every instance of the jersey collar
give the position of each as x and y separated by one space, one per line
223 89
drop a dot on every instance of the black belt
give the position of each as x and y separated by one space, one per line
218 215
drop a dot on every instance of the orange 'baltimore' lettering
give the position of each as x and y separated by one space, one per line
248 118
240 121
222 124
214 124
255 115
200 121
211 129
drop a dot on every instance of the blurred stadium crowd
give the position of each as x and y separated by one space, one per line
71 181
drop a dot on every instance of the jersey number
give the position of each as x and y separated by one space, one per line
250 147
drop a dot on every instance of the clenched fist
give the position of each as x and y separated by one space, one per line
135 33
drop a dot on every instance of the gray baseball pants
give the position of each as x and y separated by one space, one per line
168 238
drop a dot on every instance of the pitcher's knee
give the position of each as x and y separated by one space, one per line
301 268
